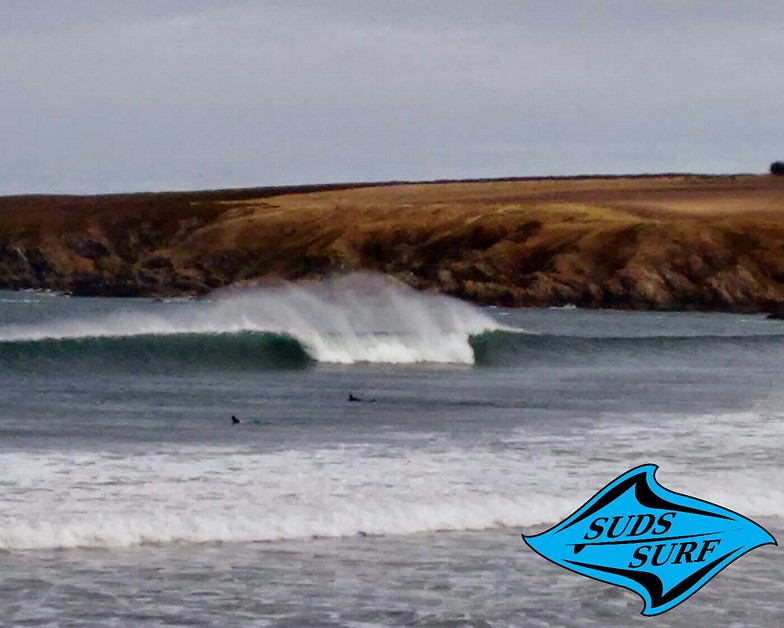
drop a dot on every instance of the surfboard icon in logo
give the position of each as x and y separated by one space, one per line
662 545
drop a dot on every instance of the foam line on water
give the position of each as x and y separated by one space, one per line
197 495
528 481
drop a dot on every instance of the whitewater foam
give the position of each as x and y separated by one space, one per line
200 494
354 318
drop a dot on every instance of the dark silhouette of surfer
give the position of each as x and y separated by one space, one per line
351 397
236 421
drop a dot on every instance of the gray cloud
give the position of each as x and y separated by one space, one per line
109 96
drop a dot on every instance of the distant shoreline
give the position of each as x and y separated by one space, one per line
649 241
303 188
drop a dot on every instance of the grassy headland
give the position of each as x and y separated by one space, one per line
662 242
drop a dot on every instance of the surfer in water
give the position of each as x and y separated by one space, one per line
351 397
235 420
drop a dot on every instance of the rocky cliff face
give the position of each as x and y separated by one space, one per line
644 243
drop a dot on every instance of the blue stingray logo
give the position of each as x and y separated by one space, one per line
662 545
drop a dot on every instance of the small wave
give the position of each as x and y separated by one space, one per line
504 347
377 518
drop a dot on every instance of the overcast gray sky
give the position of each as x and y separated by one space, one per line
104 95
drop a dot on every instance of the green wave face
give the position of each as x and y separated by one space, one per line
159 353
260 351
500 348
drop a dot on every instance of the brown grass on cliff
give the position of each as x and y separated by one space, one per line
642 242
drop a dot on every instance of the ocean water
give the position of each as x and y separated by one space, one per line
128 498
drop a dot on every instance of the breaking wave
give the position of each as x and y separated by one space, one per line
355 318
